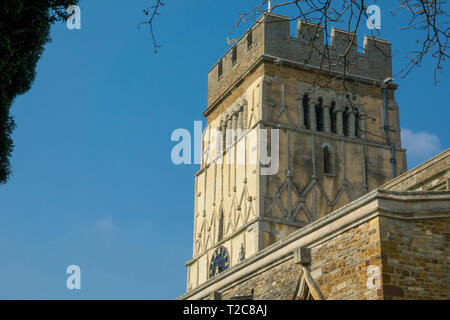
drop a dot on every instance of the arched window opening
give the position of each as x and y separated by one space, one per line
333 117
306 111
327 160
345 121
319 115
357 128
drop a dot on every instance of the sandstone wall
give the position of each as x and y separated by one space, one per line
415 258
339 266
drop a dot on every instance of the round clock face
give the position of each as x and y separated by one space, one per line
220 261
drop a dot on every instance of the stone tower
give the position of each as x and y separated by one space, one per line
330 141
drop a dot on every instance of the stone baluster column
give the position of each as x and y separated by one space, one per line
326 105
339 121
301 112
240 121
312 113
241 118
235 121
219 140
229 132
223 126
351 122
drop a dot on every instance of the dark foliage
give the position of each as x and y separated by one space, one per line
24 30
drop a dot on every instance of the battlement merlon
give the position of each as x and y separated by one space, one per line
269 39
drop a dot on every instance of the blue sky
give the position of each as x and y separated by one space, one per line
93 182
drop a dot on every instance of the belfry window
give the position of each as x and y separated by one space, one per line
234 54
319 115
357 128
345 121
306 111
333 117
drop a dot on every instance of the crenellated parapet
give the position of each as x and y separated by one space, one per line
270 39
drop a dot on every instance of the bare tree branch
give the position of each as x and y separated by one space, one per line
428 20
152 12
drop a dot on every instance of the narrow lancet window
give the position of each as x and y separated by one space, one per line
221 226
319 116
357 119
220 69
306 111
333 117
327 160
345 121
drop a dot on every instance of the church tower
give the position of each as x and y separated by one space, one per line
290 138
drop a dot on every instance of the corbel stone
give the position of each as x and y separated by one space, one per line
215 295
302 255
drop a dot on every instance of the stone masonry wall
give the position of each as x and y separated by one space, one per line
416 258
339 266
